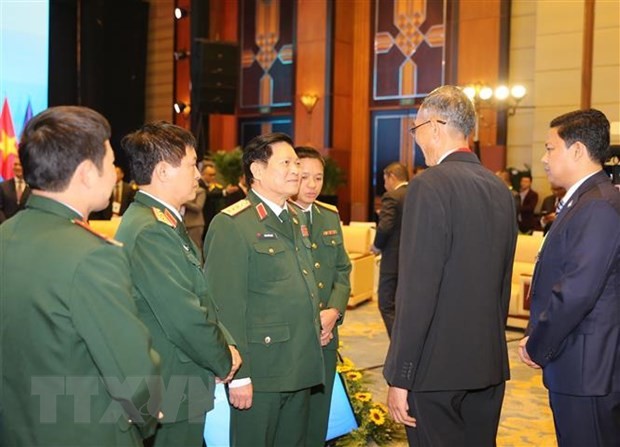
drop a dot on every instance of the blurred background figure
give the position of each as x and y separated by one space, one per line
239 194
215 193
387 238
193 216
506 177
13 193
528 222
122 196
548 207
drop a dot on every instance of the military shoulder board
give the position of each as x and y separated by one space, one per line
164 217
327 206
237 207
102 236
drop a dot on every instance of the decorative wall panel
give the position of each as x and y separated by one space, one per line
251 127
266 53
409 51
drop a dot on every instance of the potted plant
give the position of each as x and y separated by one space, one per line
333 177
229 165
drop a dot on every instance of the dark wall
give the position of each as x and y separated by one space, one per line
98 60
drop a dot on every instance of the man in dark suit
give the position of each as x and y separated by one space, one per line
169 286
121 198
548 207
216 193
331 271
447 362
574 330
259 269
14 193
75 357
528 222
387 238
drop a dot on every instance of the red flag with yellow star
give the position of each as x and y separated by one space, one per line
8 143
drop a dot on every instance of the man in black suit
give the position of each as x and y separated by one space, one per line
122 196
548 207
13 193
574 330
387 238
528 222
447 362
216 193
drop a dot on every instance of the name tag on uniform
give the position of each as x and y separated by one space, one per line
330 232
266 236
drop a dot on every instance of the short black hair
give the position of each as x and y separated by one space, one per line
155 142
309 152
259 150
590 127
57 140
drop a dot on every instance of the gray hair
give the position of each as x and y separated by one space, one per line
452 105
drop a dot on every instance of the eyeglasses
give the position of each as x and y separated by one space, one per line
414 128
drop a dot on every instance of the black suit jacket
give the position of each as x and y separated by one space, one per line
529 220
456 252
8 199
575 297
127 195
387 238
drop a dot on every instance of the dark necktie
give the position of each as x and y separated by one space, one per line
559 206
308 215
284 216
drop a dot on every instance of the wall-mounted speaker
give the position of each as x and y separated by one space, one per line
215 74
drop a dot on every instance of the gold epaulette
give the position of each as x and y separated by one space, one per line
165 217
237 207
327 206
102 236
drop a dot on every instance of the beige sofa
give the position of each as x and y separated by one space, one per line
357 241
522 270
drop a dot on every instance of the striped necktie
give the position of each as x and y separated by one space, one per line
559 206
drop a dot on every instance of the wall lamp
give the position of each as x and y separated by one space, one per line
504 96
309 100
181 107
181 54
179 13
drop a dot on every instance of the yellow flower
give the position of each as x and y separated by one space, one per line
363 397
354 375
343 368
381 407
377 416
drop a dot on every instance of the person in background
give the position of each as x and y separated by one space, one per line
506 177
387 238
239 194
121 197
332 268
14 193
216 193
71 339
168 283
193 217
548 207
574 327
259 270
528 221
447 362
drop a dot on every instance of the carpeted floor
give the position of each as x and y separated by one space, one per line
526 418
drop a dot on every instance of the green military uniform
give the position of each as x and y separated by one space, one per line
71 338
331 271
259 272
170 291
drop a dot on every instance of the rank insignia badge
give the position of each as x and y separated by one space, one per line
330 232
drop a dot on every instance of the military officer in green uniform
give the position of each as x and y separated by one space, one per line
259 271
75 358
169 284
331 271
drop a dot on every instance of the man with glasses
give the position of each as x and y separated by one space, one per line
447 362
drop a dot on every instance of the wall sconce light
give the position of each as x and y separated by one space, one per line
309 100
181 107
179 13
181 54
504 96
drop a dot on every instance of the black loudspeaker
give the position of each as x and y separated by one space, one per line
215 75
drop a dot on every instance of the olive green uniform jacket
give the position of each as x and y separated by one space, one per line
171 294
332 269
74 357
259 272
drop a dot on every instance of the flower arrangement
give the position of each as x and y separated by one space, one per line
374 421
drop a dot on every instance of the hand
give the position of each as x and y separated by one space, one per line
524 356
329 318
236 364
231 189
398 406
326 337
374 250
241 397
